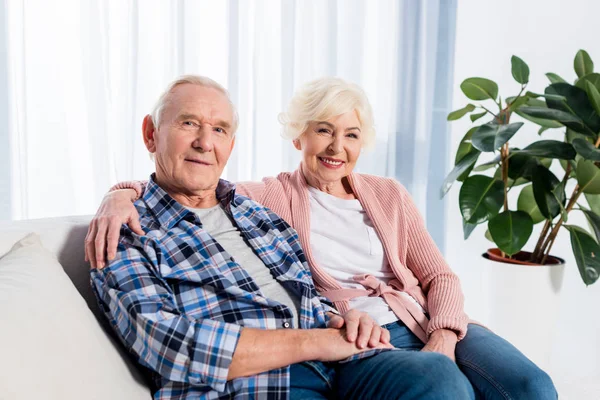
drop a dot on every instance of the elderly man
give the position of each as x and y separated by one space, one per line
212 292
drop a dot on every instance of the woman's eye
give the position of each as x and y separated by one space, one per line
353 135
324 131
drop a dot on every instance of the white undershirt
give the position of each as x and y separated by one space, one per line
344 243
222 228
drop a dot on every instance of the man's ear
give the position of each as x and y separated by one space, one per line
297 144
232 144
149 133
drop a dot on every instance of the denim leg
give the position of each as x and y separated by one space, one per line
402 374
498 370
307 383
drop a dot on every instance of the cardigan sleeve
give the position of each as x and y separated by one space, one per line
441 286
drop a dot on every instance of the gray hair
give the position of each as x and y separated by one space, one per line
322 99
203 81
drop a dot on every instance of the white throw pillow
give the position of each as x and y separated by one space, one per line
51 346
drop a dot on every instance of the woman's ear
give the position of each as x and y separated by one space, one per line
297 144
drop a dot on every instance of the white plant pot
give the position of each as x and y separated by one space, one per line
523 306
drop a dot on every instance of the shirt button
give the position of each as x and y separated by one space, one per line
286 324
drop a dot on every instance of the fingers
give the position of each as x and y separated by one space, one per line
134 223
100 242
90 253
112 238
352 321
375 335
385 336
364 331
336 321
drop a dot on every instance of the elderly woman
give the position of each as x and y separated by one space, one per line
366 243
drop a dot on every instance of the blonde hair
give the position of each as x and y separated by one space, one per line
203 81
322 99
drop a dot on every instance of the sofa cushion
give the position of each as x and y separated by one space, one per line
51 345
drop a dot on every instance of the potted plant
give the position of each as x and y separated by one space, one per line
526 174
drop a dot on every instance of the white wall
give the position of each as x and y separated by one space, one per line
546 34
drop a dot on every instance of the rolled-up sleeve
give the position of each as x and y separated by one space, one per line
142 309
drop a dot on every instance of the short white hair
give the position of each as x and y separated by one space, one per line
203 81
322 99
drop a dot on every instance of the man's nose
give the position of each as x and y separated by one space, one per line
203 140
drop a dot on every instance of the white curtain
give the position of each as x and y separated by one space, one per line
81 75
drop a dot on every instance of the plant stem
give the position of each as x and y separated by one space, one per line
550 240
495 116
538 246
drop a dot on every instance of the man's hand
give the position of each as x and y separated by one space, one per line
332 345
360 329
103 233
442 341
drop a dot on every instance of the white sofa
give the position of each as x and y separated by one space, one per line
54 343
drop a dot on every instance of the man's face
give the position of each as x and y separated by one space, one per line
194 140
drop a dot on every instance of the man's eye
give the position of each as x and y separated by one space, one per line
189 123
220 130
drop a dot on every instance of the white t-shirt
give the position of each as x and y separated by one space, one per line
220 226
344 243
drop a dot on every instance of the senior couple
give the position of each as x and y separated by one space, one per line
210 284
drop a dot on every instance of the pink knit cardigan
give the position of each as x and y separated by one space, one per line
418 265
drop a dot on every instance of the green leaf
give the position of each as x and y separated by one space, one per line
488 165
586 150
458 114
464 148
492 136
594 79
480 198
555 97
488 236
577 103
475 117
554 78
593 201
583 63
586 251
588 177
479 89
594 220
464 164
511 230
542 130
550 149
521 165
549 193
593 96
468 229
538 114
516 102
526 203
520 70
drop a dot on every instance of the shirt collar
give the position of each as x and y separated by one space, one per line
169 212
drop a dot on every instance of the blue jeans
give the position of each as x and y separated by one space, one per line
487 367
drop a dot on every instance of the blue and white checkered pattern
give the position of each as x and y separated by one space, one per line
178 300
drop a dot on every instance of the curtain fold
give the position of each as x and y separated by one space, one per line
81 75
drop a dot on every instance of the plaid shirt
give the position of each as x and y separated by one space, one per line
178 300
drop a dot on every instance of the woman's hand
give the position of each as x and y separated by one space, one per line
360 328
103 233
442 341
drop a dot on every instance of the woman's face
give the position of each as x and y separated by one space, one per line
330 148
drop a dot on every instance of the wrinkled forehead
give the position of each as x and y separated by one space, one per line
205 102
